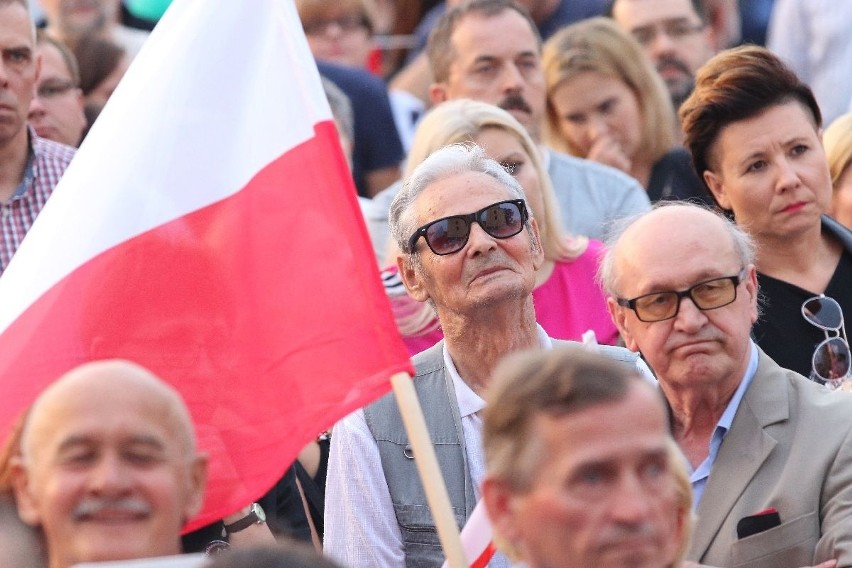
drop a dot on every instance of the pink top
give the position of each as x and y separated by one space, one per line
567 304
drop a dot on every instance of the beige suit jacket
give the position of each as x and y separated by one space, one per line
789 447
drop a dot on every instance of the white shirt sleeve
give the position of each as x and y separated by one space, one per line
361 529
788 36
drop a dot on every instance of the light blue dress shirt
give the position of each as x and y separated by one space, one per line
701 474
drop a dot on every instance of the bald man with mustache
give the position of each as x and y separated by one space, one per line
108 468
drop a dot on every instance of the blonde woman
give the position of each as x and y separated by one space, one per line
838 149
568 301
605 102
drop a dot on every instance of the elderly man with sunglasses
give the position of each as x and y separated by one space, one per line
770 451
474 258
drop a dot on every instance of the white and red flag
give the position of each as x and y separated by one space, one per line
476 538
209 230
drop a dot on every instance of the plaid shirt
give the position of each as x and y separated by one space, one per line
45 165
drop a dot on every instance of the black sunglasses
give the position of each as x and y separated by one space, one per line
448 235
830 363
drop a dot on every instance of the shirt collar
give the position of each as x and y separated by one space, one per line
470 402
29 169
727 417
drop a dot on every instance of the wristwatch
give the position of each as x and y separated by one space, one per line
255 516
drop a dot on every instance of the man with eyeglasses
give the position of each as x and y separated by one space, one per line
30 166
770 451
470 248
675 36
56 111
490 51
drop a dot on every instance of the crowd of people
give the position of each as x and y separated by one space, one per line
616 238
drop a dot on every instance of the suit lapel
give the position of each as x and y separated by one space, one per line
743 451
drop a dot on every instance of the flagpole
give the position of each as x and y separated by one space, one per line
427 466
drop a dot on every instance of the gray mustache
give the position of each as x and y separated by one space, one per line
95 506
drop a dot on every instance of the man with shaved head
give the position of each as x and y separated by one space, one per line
108 467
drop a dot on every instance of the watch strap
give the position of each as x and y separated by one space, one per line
251 519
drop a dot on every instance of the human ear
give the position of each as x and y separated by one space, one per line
27 505
500 500
751 288
717 188
438 93
197 485
538 249
617 313
411 278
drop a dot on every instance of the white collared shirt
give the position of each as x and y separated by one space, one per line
361 530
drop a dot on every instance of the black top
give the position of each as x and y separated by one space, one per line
285 512
673 178
376 142
782 332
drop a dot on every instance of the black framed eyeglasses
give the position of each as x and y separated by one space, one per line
706 295
677 30
830 363
448 235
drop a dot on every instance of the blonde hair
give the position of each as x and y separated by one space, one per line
599 45
462 120
683 495
837 140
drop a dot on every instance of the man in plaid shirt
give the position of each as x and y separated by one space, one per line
30 166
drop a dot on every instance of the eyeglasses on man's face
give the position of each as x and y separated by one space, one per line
706 295
830 363
676 30
447 235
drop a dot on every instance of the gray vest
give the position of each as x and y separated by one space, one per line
437 397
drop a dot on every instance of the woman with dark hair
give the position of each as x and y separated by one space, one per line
753 129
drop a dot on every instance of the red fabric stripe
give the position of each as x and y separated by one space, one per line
265 310
484 558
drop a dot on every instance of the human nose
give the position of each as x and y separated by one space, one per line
788 177
598 127
630 500
333 29
37 109
109 477
689 318
479 242
661 44
513 79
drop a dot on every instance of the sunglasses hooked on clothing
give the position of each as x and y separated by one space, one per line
830 363
448 235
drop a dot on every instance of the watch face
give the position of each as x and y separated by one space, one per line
258 510
216 547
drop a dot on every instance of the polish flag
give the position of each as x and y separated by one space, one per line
476 538
209 230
